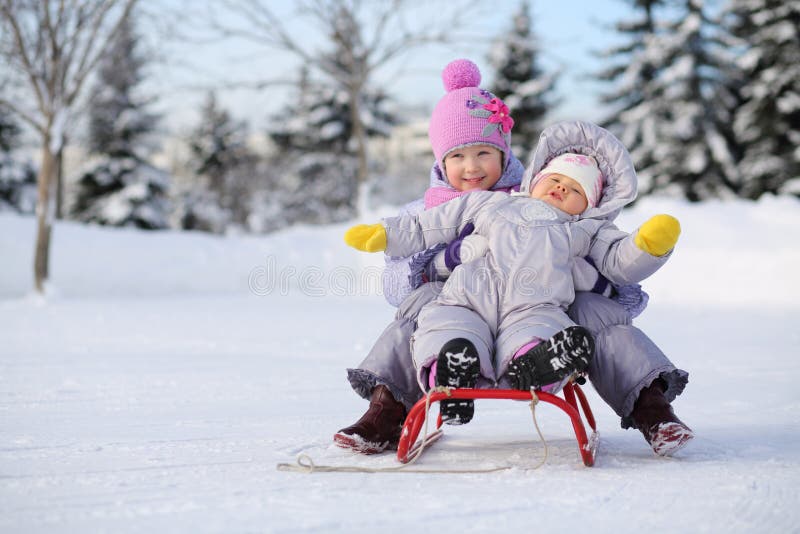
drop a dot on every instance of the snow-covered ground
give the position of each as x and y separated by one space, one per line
166 375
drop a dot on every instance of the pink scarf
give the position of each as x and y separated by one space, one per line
439 195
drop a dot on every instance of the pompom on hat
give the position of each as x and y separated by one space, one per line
468 115
582 169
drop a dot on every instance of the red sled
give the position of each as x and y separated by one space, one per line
574 398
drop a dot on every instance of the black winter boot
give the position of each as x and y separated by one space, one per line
654 418
457 367
378 429
552 362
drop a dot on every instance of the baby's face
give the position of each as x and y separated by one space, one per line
561 192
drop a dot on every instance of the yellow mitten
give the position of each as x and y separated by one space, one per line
658 235
366 237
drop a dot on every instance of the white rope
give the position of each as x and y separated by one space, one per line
534 402
305 464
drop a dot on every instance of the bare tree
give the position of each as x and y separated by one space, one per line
51 48
366 35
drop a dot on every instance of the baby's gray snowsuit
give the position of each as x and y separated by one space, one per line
626 359
520 290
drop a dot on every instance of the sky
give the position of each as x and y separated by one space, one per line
568 34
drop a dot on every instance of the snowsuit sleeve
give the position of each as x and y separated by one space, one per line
587 278
617 257
397 272
407 234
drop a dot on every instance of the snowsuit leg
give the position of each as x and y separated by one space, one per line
625 360
440 323
453 315
389 362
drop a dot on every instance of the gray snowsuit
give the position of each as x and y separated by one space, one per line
626 360
521 289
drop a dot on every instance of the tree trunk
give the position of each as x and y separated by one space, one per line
60 183
45 207
360 136
361 149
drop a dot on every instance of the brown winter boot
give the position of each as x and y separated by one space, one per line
378 429
654 418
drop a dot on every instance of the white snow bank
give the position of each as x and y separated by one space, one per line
733 253
101 261
740 253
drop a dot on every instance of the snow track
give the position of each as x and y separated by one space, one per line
139 412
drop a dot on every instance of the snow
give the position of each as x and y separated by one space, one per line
154 390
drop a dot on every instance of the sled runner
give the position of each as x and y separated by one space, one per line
574 398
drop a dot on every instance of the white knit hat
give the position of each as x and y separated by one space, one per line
582 169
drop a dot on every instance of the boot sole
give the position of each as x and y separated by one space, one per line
457 367
568 352
670 437
358 444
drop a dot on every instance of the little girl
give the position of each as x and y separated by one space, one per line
470 134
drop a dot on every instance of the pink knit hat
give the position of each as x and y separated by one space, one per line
582 169
468 115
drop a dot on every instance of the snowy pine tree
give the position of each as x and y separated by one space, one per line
305 187
9 131
120 188
675 105
320 119
698 154
633 71
767 122
17 180
521 83
318 153
224 168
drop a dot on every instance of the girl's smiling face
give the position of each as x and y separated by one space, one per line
474 167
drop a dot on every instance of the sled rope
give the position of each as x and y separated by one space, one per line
305 464
532 405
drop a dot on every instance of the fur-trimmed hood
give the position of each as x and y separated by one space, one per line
619 176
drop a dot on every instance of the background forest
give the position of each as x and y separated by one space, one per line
705 95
